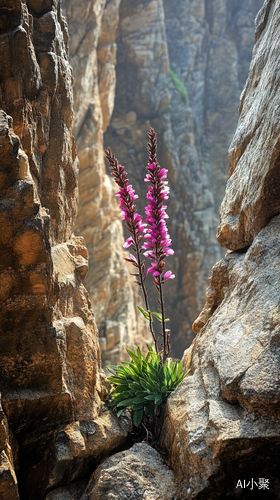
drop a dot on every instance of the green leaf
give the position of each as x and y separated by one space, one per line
138 400
137 417
135 370
126 402
112 369
135 386
121 388
145 313
121 395
180 86
154 370
149 385
157 315
140 357
135 358
124 370
149 348
150 397
116 380
158 399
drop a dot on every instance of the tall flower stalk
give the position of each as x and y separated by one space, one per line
158 241
135 226
154 230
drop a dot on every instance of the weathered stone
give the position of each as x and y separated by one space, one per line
49 354
135 473
8 480
71 453
71 492
92 28
228 407
106 55
222 422
252 192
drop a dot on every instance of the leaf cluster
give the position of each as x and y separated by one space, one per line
143 384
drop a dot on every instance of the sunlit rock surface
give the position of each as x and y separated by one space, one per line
50 382
252 193
135 473
222 422
92 28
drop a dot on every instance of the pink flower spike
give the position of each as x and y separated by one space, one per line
169 275
155 273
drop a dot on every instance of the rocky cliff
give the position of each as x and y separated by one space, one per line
207 46
50 385
222 423
92 50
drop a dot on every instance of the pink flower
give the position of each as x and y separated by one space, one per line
128 242
169 276
127 196
157 239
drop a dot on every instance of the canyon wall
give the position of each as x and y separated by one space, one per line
222 423
128 48
221 434
50 380
208 45
92 51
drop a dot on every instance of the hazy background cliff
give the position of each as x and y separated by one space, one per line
122 53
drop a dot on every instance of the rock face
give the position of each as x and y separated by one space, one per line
252 194
8 479
208 47
135 473
50 384
222 422
92 27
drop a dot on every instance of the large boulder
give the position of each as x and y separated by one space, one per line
137 473
222 423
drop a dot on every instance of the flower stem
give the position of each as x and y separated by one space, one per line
166 346
144 290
